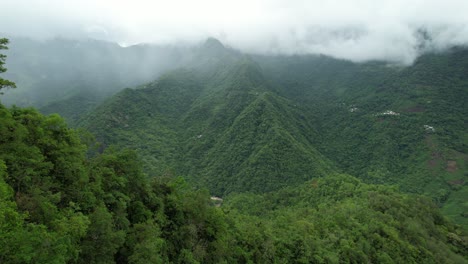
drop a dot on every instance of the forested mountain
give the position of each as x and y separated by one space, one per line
259 123
316 160
221 126
386 123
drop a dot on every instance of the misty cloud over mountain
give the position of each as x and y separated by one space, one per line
358 30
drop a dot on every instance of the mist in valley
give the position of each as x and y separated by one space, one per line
59 51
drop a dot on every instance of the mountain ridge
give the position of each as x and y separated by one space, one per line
218 128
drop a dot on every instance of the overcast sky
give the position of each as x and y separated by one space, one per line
359 30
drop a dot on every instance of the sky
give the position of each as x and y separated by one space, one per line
358 30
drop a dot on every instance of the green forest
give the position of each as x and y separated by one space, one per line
237 158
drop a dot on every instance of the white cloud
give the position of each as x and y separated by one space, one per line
356 29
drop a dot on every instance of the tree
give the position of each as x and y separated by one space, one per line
4 83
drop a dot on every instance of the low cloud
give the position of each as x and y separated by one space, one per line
359 30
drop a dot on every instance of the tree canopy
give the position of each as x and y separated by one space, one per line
4 83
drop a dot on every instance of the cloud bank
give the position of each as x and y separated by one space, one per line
358 30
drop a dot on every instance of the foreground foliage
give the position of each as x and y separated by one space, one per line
339 219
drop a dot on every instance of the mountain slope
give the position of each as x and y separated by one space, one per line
266 147
387 123
222 128
339 219
233 123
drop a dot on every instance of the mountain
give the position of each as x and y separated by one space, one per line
234 122
223 128
271 151
384 123
71 77
387 123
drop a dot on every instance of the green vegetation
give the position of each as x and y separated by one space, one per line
423 149
57 206
234 123
4 83
276 156
339 219
224 131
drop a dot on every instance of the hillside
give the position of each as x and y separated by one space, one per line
236 123
220 127
58 206
339 219
387 123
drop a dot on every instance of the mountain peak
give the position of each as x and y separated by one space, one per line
211 54
212 43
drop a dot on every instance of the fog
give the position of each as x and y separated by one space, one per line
358 30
